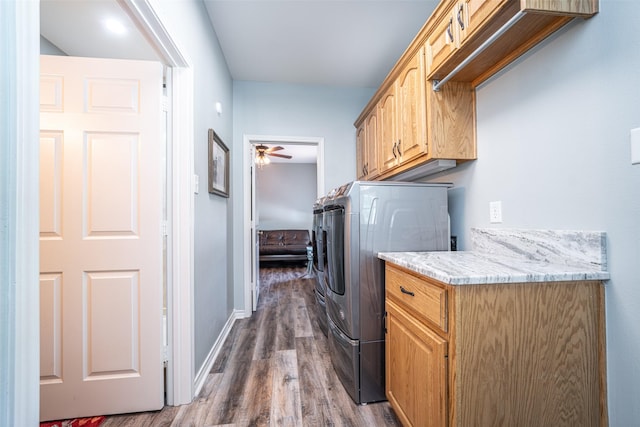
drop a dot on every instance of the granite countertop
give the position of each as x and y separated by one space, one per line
513 256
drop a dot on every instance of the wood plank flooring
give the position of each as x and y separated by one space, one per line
273 370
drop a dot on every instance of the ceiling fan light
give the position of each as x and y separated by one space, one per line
261 159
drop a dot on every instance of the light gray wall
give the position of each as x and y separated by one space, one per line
553 146
188 23
293 110
285 194
48 48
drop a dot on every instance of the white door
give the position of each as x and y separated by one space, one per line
255 242
100 237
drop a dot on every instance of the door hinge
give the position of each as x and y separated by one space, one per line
164 229
165 356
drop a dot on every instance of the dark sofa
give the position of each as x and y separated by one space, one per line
283 245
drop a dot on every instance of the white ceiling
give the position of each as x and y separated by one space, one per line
325 42
321 42
77 27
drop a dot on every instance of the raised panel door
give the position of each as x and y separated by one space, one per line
387 132
416 370
411 109
100 241
371 145
361 147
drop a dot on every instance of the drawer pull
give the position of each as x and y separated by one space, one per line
449 31
460 21
404 291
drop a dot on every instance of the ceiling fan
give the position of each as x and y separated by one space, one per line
263 152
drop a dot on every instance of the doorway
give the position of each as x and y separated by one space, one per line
250 250
22 330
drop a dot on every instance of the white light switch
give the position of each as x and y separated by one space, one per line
635 146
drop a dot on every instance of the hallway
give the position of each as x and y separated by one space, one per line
273 370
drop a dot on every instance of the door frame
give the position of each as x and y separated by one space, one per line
23 405
249 189
180 212
19 176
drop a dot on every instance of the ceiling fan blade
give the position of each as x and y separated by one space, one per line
284 156
272 149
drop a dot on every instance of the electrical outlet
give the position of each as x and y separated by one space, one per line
495 212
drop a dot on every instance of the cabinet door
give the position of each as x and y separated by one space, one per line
472 14
387 132
442 42
371 145
361 147
411 109
416 370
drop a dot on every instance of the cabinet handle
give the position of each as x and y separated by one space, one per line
449 30
384 318
460 20
393 150
404 291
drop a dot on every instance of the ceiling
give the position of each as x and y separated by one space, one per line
323 42
78 29
351 43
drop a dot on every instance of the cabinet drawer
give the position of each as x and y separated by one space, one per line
420 297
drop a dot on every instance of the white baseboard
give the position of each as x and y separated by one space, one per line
202 374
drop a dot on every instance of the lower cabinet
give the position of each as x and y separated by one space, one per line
521 354
416 374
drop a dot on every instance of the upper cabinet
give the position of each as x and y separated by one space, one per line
387 132
402 114
459 23
361 169
366 148
411 124
425 108
482 36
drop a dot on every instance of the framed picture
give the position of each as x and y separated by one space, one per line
218 165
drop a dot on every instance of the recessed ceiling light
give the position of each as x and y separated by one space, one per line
115 26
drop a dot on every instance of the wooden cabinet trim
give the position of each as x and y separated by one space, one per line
514 350
429 301
539 340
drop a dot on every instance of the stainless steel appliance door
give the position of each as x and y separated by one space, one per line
345 357
333 224
342 255
317 240
321 310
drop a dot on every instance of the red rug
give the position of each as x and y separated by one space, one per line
78 422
